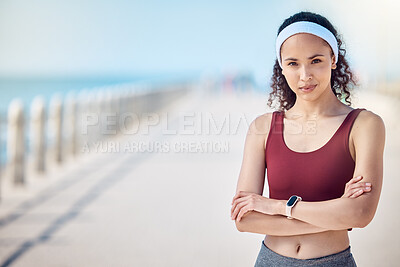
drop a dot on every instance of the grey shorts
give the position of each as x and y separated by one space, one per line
267 257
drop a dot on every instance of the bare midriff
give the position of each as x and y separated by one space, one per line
310 245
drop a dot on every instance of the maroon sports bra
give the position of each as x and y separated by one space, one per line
315 176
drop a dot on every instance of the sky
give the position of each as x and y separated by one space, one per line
124 38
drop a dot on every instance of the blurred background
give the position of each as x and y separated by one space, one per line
70 71
71 45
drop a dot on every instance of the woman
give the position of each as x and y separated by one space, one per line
324 159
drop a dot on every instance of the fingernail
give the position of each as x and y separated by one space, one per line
368 184
368 188
359 176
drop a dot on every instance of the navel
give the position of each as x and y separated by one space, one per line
298 248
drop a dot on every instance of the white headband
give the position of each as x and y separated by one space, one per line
306 27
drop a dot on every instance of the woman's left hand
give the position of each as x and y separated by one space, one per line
244 202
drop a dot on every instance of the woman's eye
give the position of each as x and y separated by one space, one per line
290 63
317 60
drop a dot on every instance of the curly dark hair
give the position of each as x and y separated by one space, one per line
341 77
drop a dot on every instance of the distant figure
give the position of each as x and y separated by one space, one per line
228 84
324 159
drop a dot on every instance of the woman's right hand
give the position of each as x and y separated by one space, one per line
354 188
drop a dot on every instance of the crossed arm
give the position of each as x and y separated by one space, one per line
260 223
265 216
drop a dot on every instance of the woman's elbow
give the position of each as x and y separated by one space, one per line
246 224
365 218
362 211
239 225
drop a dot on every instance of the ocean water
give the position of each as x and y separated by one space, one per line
26 89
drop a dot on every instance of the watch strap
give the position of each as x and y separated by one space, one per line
289 208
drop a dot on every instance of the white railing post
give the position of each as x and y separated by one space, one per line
56 127
71 123
82 120
38 130
16 142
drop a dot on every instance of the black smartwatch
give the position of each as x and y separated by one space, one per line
290 204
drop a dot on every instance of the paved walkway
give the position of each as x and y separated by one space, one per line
168 204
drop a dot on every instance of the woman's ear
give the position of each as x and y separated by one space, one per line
333 62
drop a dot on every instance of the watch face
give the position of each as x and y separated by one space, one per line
291 200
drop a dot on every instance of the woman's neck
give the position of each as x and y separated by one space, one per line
325 105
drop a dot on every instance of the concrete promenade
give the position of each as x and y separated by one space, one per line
169 204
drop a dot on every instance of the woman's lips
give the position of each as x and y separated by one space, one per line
308 88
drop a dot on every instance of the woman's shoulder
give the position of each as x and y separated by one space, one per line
260 127
368 123
367 117
261 123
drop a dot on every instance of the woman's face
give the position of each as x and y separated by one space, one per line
307 61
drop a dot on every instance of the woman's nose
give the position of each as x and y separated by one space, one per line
305 74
